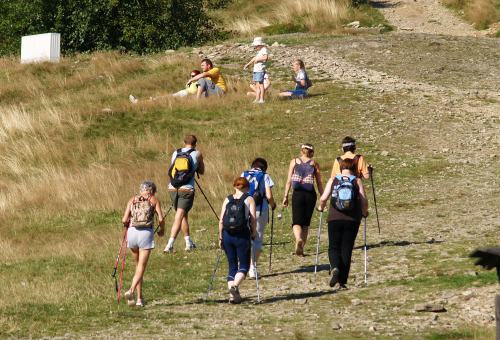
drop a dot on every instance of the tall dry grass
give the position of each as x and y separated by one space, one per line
315 15
481 13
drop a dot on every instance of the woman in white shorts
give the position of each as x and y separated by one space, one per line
138 223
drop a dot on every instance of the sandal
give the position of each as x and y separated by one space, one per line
139 303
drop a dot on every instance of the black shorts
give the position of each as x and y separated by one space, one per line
303 203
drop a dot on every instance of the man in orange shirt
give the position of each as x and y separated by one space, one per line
349 148
210 81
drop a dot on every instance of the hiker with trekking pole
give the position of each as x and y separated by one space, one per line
349 149
261 186
303 171
186 162
348 204
138 233
237 229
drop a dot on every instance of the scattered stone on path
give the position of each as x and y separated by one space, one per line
384 153
336 326
372 329
430 307
301 301
356 302
354 24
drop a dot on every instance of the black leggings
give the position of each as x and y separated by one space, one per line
341 237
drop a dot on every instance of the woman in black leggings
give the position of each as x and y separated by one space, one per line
302 173
348 206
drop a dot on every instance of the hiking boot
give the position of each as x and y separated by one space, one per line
335 277
190 246
299 249
235 296
168 249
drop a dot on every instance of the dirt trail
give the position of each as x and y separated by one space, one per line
423 16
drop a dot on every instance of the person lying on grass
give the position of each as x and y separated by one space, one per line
138 221
191 89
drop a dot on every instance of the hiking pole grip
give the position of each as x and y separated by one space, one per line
206 198
370 171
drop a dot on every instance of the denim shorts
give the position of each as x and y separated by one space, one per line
258 77
298 93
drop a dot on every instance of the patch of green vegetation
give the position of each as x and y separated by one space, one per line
280 28
369 16
467 333
445 281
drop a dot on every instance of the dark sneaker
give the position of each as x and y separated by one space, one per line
335 277
235 295
342 286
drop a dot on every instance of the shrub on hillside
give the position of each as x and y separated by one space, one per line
87 25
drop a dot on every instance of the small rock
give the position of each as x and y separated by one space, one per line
170 51
107 110
372 329
356 302
277 330
301 301
275 44
336 326
430 307
384 153
354 24
435 317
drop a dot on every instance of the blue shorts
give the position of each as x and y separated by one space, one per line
258 77
298 93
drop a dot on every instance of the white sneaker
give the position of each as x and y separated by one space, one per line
133 99
252 273
190 246
168 249
261 102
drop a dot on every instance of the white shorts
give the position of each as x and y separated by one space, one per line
142 238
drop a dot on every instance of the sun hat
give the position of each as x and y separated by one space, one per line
257 41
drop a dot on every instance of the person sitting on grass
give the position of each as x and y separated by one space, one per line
138 221
191 89
302 81
237 226
259 68
210 81
267 84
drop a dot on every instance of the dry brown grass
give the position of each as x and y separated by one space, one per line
315 15
481 13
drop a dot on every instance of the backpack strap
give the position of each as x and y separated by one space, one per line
355 160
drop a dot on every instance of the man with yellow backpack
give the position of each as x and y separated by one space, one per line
186 162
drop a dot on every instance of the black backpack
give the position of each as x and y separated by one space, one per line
235 220
182 169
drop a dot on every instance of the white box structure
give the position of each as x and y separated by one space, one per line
41 47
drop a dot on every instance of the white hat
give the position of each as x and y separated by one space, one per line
257 41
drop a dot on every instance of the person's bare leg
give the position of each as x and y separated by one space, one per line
299 241
238 279
178 219
185 225
257 92
305 234
141 256
261 92
285 94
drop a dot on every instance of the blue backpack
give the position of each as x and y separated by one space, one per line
257 185
344 193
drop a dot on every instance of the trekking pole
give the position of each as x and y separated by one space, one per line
158 227
271 248
317 243
210 283
122 269
366 271
113 275
370 171
201 190
256 271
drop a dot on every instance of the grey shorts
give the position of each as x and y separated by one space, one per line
209 88
182 199
140 238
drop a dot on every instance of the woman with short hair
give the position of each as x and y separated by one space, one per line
237 227
303 171
138 223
